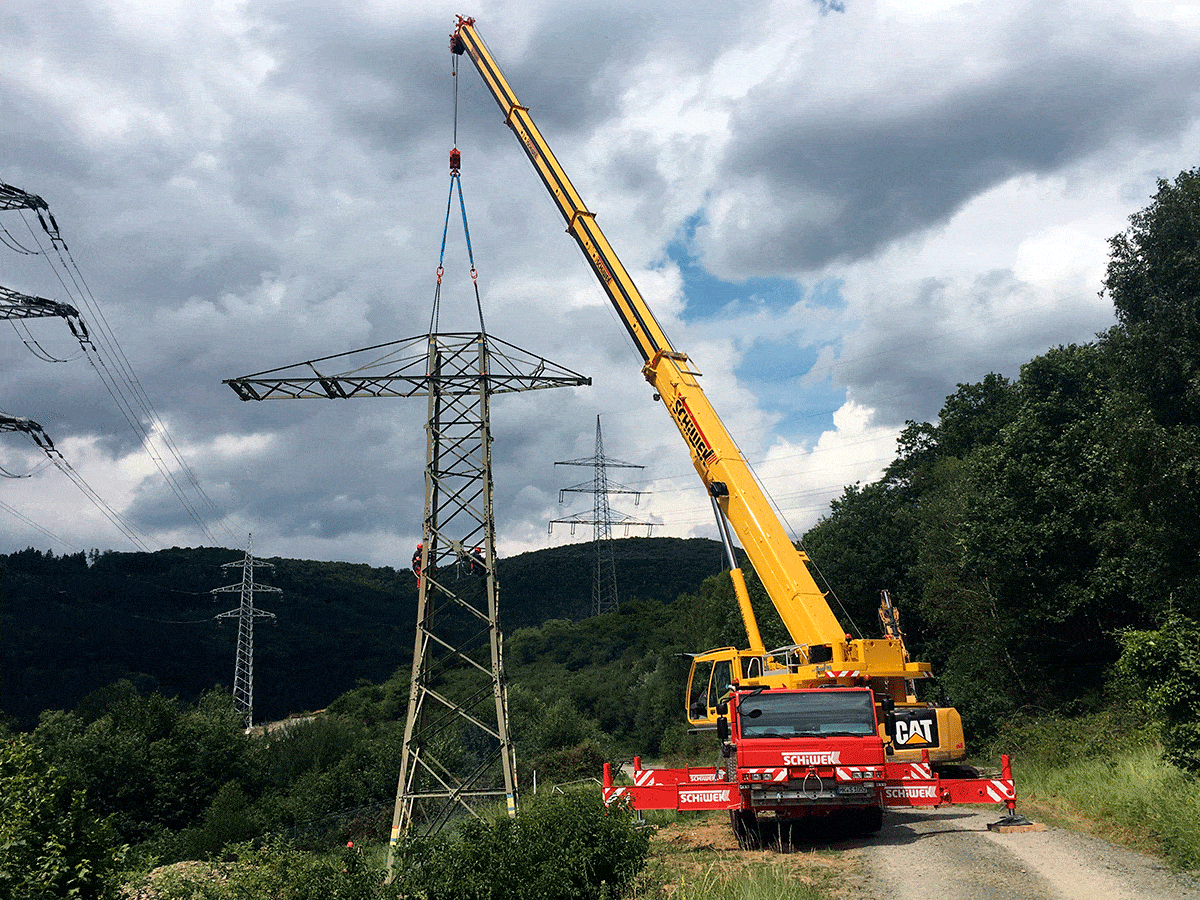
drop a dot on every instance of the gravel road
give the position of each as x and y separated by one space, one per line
949 854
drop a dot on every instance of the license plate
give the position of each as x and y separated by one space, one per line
852 789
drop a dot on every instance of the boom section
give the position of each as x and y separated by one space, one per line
647 335
715 456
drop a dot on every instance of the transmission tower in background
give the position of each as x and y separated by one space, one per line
602 519
245 613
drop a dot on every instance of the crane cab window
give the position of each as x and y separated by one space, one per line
708 683
698 681
718 685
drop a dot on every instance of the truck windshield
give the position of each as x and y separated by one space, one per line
807 714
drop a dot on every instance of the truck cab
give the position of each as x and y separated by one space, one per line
803 753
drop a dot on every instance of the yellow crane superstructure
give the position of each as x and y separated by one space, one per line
823 654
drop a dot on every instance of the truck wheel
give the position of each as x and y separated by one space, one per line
867 821
745 829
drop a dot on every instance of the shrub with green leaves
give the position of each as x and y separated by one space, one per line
271 871
559 847
51 845
1161 669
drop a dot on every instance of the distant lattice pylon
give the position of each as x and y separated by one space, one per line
602 519
245 613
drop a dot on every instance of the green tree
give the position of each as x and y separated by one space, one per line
151 762
862 547
1153 279
1036 526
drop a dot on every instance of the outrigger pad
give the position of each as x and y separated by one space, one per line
1015 824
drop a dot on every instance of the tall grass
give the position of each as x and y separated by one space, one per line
1085 768
724 882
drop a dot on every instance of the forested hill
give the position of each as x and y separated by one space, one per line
70 625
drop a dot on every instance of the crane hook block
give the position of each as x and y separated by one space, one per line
455 161
456 42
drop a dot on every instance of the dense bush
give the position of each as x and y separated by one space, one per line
276 871
559 847
152 762
1161 672
51 845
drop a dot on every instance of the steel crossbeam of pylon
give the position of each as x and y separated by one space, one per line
246 614
15 198
29 427
602 519
458 754
15 305
397 369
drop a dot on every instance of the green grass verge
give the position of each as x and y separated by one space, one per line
1131 797
1091 774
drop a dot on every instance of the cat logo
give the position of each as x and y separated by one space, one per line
916 730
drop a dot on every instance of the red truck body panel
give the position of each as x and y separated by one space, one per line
804 774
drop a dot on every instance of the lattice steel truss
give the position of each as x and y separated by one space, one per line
15 305
458 753
602 519
246 614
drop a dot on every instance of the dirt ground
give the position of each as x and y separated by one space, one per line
947 854
693 845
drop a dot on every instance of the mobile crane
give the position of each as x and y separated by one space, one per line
828 725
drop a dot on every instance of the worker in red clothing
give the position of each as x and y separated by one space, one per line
416 564
478 563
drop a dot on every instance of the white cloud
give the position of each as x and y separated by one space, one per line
247 185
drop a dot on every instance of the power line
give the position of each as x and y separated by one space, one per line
34 432
34 525
109 360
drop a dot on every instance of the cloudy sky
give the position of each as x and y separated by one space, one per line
839 210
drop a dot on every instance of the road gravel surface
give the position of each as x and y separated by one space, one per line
949 854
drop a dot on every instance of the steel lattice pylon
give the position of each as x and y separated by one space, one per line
245 613
458 533
457 754
604 583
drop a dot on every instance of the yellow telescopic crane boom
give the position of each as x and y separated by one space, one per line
714 454
824 653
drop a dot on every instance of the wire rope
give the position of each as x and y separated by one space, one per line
10 241
34 346
109 513
4 473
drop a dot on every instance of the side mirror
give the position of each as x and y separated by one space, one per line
889 717
722 729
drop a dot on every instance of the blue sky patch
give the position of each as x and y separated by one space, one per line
705 294
772 369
